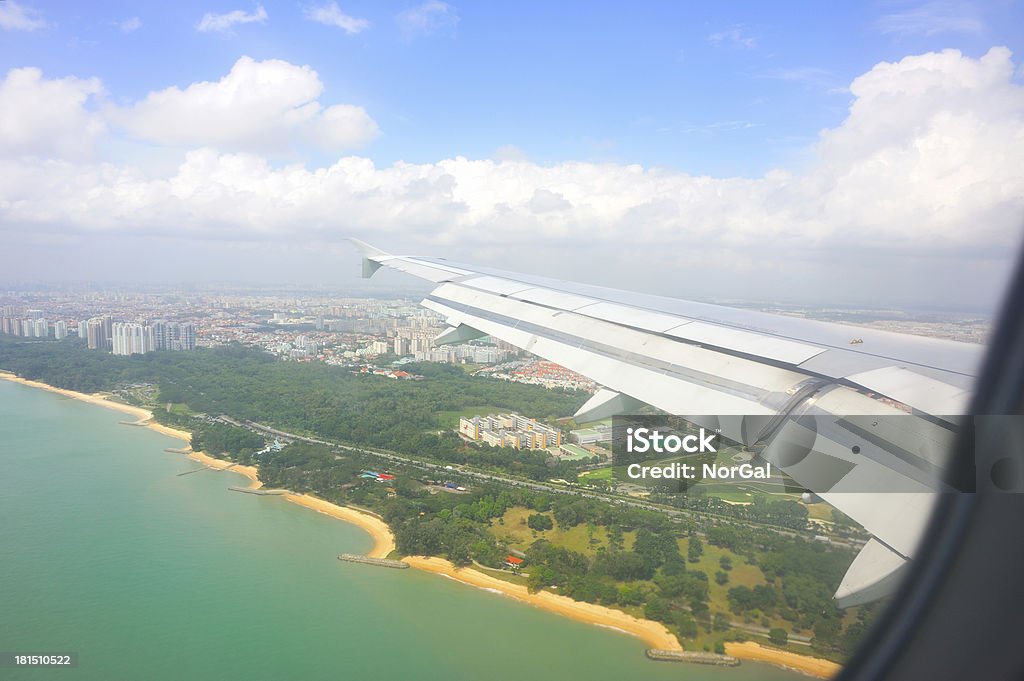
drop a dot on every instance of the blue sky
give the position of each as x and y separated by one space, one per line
872 145
709 88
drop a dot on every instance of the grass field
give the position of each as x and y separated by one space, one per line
511 529
502 575
820 511
740 575
181 409
598 474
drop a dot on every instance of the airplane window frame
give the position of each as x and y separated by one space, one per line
958 612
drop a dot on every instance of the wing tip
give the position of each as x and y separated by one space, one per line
370 256
365 249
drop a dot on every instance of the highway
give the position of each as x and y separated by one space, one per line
462 470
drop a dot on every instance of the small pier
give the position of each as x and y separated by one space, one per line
696 657
380 562
195 470
261 492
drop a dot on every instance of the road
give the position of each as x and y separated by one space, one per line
443 469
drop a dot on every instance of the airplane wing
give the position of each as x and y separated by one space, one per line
864 418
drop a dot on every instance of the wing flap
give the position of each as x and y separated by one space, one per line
874 573
754 372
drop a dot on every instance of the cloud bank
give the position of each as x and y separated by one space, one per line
926 163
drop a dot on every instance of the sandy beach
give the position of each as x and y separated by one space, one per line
812 666
138 412
654 634
145 418
383 540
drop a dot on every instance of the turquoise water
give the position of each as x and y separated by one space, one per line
107 553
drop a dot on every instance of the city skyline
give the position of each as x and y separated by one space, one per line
338 329
736 152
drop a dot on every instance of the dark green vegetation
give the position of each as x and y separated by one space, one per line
709 578
218 438
310 398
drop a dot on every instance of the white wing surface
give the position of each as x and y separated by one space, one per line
864 418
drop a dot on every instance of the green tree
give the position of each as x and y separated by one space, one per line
778 636
658 609
687 625
826 630
695 549
631 594
539 522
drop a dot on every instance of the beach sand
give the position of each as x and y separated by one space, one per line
654 634
145 418
138 412
813 666
383 540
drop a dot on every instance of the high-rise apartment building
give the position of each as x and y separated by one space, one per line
96 335
132 339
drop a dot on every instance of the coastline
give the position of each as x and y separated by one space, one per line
384 541
805 664
654 634
377 528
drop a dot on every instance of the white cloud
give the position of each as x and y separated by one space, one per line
223 22
430 17
269 106
15 17
131 24
331 15
41 117
926 165
933 18
736 36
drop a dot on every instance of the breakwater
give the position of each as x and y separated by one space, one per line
696 657
260 491
381 562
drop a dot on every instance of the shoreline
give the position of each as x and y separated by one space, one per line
654 634
805 664
383 540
